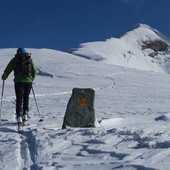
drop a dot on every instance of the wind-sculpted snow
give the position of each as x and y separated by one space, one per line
131 106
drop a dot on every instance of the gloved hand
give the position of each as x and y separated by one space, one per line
3 78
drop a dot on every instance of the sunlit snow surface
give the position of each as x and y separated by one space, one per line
132 109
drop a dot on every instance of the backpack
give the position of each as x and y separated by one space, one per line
22 66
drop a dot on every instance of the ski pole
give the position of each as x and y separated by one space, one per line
2 97
37 105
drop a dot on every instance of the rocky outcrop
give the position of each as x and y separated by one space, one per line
156 45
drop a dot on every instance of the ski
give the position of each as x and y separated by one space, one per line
21 127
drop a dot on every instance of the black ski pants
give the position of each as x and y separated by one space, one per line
22 92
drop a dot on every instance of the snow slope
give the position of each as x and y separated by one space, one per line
132 107
127 50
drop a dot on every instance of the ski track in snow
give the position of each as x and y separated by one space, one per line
109 76
28 150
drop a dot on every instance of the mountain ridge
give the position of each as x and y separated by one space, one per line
143 48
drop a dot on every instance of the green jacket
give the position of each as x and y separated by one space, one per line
10 68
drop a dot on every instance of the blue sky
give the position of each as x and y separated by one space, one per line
64 24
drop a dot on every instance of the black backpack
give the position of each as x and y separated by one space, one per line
23 66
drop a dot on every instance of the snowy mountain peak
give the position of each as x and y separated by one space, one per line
142 48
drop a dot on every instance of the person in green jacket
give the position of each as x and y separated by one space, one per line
24 74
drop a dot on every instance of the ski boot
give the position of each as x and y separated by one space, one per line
19 122
25 118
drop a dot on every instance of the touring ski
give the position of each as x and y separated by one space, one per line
22 126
